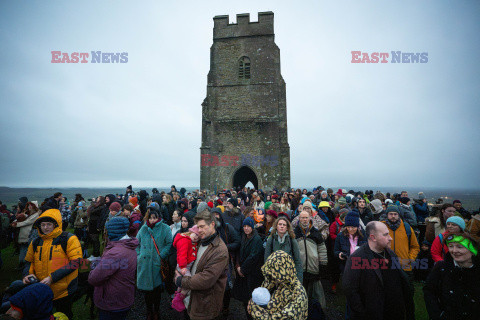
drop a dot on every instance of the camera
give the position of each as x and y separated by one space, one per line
32 279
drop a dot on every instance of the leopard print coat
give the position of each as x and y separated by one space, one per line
288 297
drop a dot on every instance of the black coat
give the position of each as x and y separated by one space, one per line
453 290
364 288
250 260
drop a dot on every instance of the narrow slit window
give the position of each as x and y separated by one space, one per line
244 68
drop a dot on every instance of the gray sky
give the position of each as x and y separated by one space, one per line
140 122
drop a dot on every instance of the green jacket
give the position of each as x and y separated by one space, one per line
148 261
290 246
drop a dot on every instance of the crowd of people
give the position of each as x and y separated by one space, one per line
268 250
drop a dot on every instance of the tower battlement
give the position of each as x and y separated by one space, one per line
243 28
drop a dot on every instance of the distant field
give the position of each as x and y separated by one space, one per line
9 196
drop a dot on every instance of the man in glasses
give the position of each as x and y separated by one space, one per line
53 259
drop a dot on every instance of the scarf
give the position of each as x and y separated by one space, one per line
393 226
353 243
151 226
208 240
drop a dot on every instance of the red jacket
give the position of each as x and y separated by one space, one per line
135 223
438 249
335 227
186 249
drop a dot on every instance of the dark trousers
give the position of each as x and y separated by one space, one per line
64 305
112 315
245 305
96 244
152 299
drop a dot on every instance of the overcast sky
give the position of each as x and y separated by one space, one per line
139 122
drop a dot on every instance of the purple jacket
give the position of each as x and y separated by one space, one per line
114 276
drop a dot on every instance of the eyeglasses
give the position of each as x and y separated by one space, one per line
46 224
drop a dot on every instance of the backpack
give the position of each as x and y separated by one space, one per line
61 240
408 230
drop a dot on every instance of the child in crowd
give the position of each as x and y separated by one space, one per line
186 245
261 296
426 262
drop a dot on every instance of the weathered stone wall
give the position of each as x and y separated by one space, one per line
244 118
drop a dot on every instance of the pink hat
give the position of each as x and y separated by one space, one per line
195 230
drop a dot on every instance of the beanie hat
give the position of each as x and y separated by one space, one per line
392 208
261 296
272 213
467 243
456 201
283 214
458 221
210 204
116 207
233 201
324 193
342 201
133 201
221 208
343 212
324 204
308 204
129 187
387 201
421 196
404 200
249 222
195 230
23 200
348 198
117 228
219 202
268 204
340 192
202 206
377 205
352 219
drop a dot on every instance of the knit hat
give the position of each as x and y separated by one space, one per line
219 202
342 201
458 221
421 196
377 205
324 193
343 212
268 204
133 201
221 208
387 201
272 213
340 192
116 207
233 201
324 204
202 206
467 243
392 208
195 230
456 201
210 204
249 222
261 296
283 214
117 228
308 204
352 219
404 200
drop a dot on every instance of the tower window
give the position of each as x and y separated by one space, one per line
244 68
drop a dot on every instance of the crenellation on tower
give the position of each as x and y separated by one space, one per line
243 28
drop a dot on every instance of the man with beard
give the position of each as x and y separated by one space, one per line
233 216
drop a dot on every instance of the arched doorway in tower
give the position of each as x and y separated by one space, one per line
243 176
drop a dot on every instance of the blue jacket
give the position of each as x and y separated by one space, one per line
148 260
342 244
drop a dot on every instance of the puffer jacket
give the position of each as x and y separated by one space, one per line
149 262
26 226
47 257
289 298
313 251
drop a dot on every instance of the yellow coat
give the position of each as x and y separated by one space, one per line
48 258
405 250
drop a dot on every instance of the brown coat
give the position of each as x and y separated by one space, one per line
207 285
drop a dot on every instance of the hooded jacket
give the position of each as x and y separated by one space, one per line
114 276
289 298
47 257
105 212
26 226
228 233
234 218
35 301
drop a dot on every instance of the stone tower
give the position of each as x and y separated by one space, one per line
244 116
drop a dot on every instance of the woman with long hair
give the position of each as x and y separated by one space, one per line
94 214
282 238
155 238
285 203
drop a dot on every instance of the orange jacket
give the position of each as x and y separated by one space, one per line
405 250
